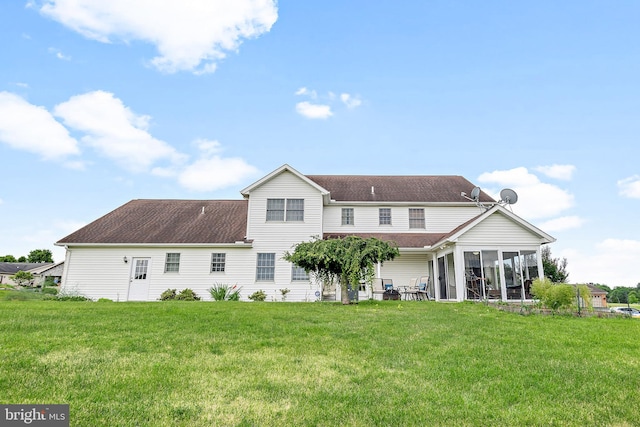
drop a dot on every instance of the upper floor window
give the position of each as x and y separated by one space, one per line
298 273
281 209
266 266
275 209
347 216
385 216
416 218
295 209
172 263
218 262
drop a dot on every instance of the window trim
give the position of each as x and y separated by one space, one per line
381 217
296 274
171 262
348 219
220 260
292 210
268 266
420 219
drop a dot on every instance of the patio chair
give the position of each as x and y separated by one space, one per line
411 291
424 288
377 287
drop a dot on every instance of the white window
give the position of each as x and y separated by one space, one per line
265 267
298 273
172 263
295 209
416 218
385 216
275 209
218 261
285 209
347 216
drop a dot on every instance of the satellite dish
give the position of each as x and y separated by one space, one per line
508 196
475 193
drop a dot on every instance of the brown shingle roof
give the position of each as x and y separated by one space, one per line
402 240
168 221
418 188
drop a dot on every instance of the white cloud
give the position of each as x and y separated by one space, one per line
115 131
25 126
213 172
191 36
304 91
313 111
563 172
562 223
535 199
22 85
612 262
59 54
350 101
630 187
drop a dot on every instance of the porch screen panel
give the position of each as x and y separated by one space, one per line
491 274
513 274
530 270
473 276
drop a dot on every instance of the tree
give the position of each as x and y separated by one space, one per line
619 294
351 260
40 255
8 258
22 278
22 259
554 268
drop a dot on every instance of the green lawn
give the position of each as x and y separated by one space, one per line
318 364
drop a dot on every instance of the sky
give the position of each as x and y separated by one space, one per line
105 102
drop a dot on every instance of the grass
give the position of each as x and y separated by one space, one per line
319 364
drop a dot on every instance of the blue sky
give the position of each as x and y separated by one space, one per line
104 102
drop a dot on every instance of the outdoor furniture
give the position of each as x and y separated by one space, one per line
411 291
424 289
377 287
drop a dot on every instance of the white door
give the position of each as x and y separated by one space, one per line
139 279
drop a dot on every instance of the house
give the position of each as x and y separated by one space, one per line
462 248
40 271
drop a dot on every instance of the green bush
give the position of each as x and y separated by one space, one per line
72 298
187 295
553 296
258 296
167 295
50 290
224 292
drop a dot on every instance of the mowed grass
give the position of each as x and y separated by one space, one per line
383 363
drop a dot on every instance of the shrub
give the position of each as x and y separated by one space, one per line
72 298
553 296
50 290
167 295
223 292
258 296
187 295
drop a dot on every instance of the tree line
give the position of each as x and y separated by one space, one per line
35 256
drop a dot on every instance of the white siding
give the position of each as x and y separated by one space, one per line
440 219
405 267
498 230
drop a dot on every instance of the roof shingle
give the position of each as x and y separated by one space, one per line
167 221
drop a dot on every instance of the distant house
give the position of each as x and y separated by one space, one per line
463 249
40 271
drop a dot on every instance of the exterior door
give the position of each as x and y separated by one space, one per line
139 279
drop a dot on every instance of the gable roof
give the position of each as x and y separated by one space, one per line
407 188
167 221
284 168
454 234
